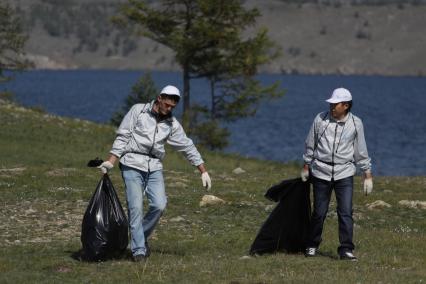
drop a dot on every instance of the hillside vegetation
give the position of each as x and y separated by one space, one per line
316 36
45 187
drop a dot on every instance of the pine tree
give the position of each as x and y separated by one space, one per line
143 91
209 42
12 43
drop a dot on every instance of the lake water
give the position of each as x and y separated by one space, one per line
392 109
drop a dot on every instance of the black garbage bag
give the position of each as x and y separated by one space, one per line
104 233
286 228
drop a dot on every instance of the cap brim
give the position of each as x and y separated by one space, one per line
331 101
174 95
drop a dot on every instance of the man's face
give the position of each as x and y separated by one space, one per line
165 105
338 111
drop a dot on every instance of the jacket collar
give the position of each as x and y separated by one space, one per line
157 116
343 120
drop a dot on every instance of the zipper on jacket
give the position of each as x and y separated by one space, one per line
332 154
153 138
150 150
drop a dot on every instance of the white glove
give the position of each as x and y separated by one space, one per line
205 178
106 166
368 185
304 174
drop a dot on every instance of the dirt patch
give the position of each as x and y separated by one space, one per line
41 221
11 172
61 172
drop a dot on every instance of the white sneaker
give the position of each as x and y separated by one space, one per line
348 255
310 252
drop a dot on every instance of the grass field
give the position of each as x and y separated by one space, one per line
45 187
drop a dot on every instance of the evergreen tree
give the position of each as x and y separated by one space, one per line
142 92
12 43
208 41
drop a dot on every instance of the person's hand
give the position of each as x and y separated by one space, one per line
368 185
106 166
304 173
205 178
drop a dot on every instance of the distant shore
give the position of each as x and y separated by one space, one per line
387 40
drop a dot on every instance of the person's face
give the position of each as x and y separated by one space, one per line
338 111
165 105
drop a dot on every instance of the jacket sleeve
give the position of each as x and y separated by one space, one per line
361 157
124 131
180 142
308 155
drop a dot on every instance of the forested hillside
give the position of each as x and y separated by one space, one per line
316 36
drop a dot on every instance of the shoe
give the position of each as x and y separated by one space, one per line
147 250
310 252
139 258
348 255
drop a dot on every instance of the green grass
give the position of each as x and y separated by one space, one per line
45 187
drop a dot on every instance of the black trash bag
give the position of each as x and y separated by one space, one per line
286 228
104 233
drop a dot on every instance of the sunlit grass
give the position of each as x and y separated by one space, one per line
45 186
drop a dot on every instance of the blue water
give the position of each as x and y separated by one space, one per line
392 109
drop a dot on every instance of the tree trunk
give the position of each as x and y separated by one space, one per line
186 115
213 102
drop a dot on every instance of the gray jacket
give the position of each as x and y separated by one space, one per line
334 148
141 138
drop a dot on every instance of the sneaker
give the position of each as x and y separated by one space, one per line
310 252
348 255
139 258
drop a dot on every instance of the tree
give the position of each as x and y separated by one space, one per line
143 91
209 42
12 43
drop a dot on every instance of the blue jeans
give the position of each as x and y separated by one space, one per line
343 190
139 183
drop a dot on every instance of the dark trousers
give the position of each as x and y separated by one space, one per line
343 190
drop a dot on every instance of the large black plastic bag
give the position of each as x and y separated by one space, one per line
286 228
104 231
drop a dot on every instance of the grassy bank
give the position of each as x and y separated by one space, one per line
45 187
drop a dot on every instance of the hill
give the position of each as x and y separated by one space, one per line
45 187
317 37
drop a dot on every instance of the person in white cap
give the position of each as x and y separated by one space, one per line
335 145
139 146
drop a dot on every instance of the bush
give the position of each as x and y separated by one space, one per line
142 92
7 96
211 135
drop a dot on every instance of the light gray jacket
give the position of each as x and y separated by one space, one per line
141 138
334 148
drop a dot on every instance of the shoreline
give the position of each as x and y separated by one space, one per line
259 73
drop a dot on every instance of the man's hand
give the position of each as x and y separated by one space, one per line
368 182
106 166
368 185
304 173
205 178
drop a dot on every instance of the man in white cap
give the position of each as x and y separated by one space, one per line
334 147
139 146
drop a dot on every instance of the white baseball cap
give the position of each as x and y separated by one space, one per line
170 90
340 95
